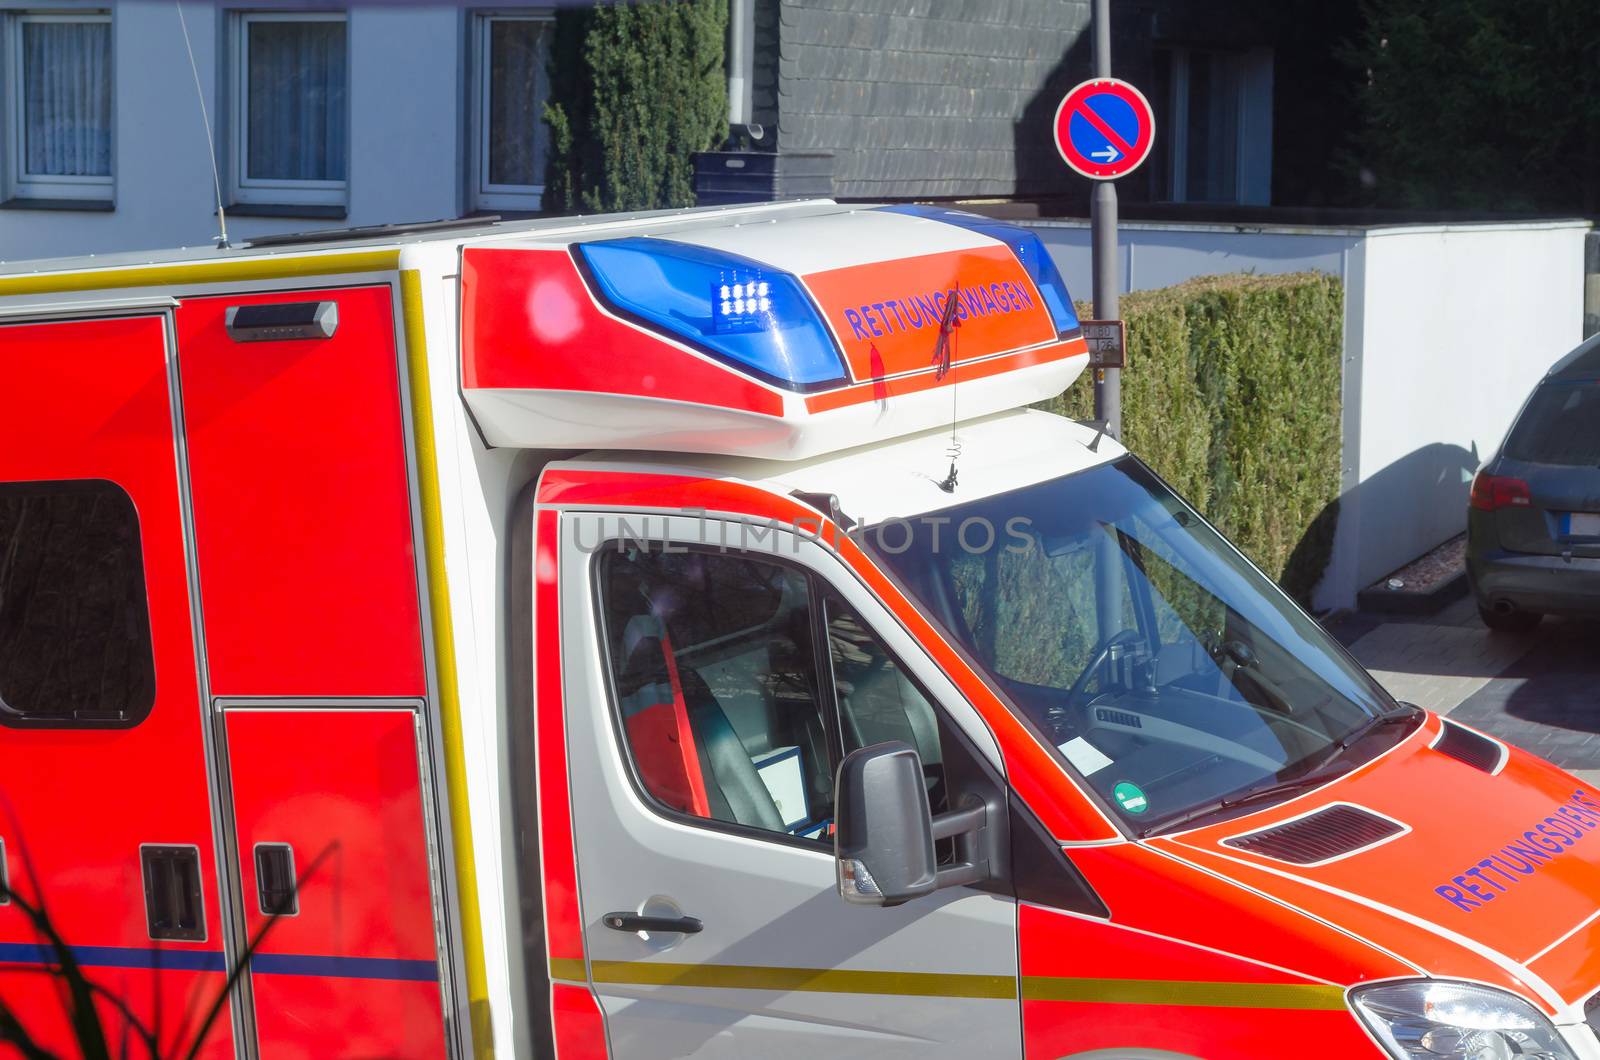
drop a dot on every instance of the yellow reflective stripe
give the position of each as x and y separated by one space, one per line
571 969
1183 992
1306 996
265 267
811 980
444 655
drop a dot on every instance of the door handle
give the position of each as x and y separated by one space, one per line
688 925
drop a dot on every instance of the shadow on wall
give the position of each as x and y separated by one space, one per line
1408 508
1040 170
1140 33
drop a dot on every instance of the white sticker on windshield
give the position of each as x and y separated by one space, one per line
1085 757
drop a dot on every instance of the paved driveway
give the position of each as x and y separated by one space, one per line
1540 690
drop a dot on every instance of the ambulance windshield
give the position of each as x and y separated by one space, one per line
1166 671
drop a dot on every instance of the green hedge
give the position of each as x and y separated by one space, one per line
1232 393
636 91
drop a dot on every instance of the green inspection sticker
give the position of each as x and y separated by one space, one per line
1130 797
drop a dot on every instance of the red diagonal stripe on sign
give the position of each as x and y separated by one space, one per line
1102 128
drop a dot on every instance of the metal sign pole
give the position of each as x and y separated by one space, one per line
1103 243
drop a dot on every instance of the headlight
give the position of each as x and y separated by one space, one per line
1425 1020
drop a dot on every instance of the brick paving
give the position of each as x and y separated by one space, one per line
1548 700
1539 691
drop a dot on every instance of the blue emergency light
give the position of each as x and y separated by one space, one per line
725 305
1028 248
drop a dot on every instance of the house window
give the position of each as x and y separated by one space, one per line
1217 145
510 139
57 90
291 114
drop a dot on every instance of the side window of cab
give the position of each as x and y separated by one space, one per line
739 683
877 700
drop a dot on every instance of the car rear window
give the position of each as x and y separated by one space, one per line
1561 425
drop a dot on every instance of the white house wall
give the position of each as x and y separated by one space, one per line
407 127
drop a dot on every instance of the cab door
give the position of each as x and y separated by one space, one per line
708 694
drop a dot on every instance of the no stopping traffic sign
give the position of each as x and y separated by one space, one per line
1104 128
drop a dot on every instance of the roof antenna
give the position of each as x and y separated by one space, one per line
205 121
943 354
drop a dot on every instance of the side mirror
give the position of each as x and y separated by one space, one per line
883 842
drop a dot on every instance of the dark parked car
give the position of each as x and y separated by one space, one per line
1533 529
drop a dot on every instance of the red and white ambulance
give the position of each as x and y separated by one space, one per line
674 635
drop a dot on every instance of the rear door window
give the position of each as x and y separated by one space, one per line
74 623
1561 425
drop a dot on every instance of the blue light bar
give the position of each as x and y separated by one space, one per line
732 308
1024 244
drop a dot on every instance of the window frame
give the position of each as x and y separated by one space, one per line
957 745
243 189
19 184
585 533
14 718
818 588
484 195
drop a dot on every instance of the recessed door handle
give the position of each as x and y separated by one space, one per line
688 925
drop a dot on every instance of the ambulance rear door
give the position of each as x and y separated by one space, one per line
711 680
315 666
105 822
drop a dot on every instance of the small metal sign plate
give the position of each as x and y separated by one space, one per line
1107 341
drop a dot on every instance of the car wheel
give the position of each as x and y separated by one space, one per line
1509 621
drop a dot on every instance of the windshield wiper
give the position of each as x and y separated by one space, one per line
1311 777
1249 795
1371 726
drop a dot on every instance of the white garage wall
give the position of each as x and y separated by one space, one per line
1160 255
1457 324
1446 329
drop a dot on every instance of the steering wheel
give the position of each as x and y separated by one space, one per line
1102 652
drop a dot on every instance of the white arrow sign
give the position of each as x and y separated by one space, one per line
1107 154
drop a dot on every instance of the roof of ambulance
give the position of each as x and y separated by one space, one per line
451 233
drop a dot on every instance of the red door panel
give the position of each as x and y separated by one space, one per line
90 400
354 971
302 512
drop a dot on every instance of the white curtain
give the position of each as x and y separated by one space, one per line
517 93
66 98
298 120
